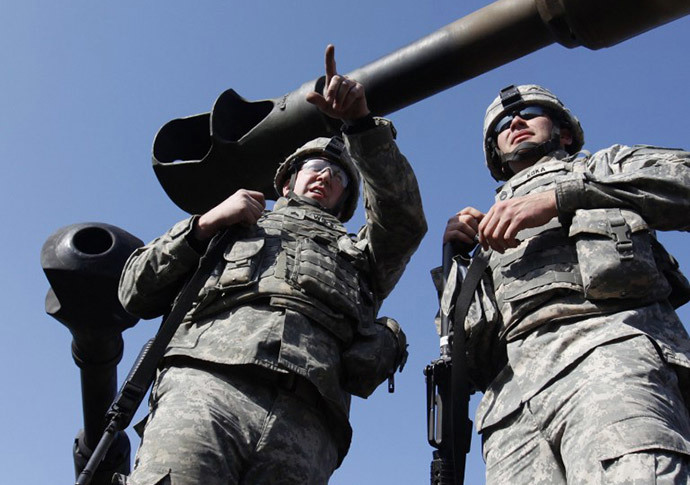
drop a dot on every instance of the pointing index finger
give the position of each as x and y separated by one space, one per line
330 63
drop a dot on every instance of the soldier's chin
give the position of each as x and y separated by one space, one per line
524 148
317 198
524 153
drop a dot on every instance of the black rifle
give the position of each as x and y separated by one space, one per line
143 372
449 428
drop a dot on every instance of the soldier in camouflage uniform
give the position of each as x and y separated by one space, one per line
255 386
572 334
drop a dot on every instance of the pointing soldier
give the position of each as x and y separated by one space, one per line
255 385
592 384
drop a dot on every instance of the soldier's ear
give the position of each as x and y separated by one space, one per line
566 137
286 186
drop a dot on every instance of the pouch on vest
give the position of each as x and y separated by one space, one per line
371 359
668 265
614 252
322 273
241 263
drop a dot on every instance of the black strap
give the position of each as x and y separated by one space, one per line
460 385
510 95
191 289
480 261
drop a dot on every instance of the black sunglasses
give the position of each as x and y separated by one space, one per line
526 113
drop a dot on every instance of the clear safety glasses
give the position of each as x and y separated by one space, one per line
318 165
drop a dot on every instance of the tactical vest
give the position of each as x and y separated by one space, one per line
604 255
302 258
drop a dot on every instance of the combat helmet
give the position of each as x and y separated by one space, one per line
513 97
334 150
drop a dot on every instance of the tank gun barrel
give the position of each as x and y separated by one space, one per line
462 50
500 33
198 167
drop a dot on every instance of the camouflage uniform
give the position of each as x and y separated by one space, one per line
594 348
279 332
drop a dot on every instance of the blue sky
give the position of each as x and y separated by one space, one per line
86 85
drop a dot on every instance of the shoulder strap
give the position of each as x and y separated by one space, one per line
460 386
479 263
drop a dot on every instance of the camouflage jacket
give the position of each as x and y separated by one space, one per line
277 328
593 275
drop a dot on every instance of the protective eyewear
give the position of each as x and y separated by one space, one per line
318 165
526 113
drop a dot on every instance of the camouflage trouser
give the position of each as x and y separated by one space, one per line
225 428
617 417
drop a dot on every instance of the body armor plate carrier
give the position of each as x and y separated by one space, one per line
301 258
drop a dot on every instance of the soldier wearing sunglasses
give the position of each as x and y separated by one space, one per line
256 384
572 335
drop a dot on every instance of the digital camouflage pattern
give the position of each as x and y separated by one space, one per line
600 423
533 300
614 246
256 435
541 279
260 306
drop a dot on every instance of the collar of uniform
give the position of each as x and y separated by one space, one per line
553 162
305 208
299 200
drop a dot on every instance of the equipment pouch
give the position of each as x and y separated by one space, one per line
241 263
614 252
668 265
372 358
323 273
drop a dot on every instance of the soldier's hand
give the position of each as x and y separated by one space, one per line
463 227
505 219
243 207
342 98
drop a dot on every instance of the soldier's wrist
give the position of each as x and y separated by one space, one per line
363 123
195 237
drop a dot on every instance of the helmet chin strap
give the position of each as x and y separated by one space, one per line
530 152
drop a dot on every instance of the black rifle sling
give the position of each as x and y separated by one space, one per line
480 261
144 370
460 387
